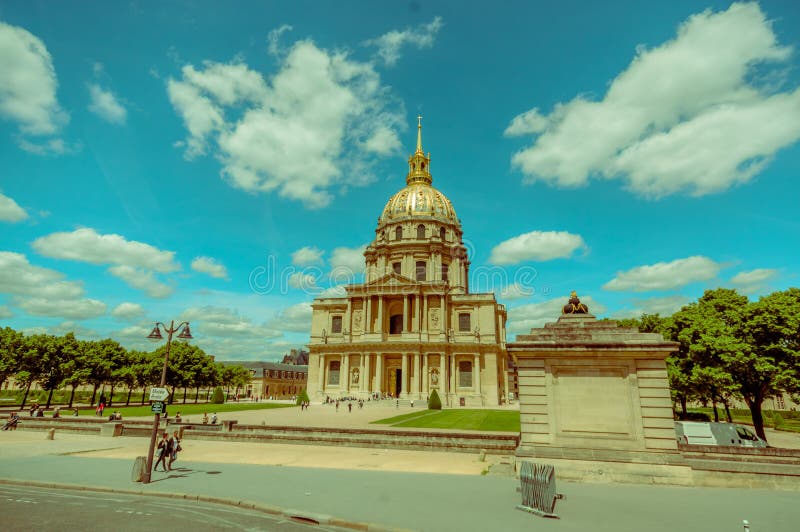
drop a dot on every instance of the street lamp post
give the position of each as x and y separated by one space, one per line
155 335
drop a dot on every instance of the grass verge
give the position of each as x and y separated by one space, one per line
185 410
461 419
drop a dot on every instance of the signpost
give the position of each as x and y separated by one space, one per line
158 394
157 407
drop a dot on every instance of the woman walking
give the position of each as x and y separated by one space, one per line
164 451
176 447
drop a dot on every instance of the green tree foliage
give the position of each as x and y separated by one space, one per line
11 346
434 403
218 397
302 397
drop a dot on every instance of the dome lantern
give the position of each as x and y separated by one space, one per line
419 164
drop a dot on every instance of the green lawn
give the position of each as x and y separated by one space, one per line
461 419
743 416
186 410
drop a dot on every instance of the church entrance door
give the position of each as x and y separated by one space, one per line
395 377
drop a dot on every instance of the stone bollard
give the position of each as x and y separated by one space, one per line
482 456
51 434
139 467
180 433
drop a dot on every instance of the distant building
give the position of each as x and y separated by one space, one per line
296 357
273 379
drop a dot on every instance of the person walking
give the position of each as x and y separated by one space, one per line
176 448
163 452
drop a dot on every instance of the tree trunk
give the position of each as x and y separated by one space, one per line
184 395
196 393
71 396
49 398
172 396
683 405
714 406
94 394
758 419
727 411
144 391
128 400
25 397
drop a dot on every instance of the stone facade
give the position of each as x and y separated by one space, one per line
592 385
273 379
413 326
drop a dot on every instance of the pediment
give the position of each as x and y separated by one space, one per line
393 279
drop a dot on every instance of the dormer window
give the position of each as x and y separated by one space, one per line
396 266
420 232
445 271
336 324
398 233
442 233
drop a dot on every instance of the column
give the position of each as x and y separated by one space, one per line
346 371
406 328
476 374
424 312
442 375
367 314
367 374
404 369
424 374
380 316
443 314
348 317
321 380
452 374
417 381
378 372
414 313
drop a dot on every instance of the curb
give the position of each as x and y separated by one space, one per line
288 513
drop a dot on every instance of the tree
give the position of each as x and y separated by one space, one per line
30 366
302 397
434 403
11 346
768 361
57 357
217 397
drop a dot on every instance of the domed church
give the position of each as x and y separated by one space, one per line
413 326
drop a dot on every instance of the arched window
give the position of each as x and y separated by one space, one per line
398 233
396 324
445 271
442 233
420 232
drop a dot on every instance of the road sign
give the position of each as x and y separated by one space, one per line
158 394
157 408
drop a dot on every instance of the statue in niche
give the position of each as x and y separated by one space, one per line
434 318
434 377
356 375
357 320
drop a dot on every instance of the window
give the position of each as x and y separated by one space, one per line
333 372
336 324
421 267
396 324
398 233
442 233
445 271
465 374
396 266
463 322
420 232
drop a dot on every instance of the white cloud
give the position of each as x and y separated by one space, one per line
294 133
536 246
296 318
28 83
347 263
210 266
75 309
141 279
274 37
688 115
5 312
106 105
128 311
133 262
389 44
753 281
515 291
523 318
72 327
334 291
10 211
756 276
86 245
664 306
665 275
19 277
225 323
303 281
307 256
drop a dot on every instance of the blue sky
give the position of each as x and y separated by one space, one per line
216 162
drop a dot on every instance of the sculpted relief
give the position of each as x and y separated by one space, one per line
356 320
434 318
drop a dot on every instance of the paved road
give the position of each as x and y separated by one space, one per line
44 509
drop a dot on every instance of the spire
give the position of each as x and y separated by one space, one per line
419 164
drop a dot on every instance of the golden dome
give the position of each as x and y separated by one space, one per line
419 199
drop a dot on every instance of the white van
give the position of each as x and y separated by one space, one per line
709 433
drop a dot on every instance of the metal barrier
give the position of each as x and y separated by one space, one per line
538 488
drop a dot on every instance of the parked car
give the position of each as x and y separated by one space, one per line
711 433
